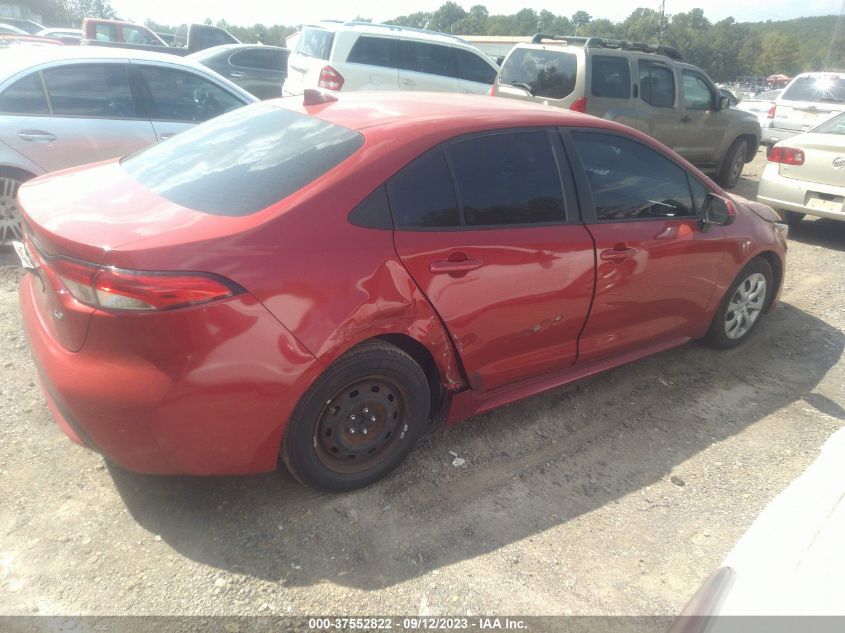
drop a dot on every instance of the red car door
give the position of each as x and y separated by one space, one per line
489 229
656 265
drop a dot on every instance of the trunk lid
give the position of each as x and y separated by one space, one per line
824 159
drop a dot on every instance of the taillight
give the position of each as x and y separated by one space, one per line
579 105
118 289
771 113
330 79
786 155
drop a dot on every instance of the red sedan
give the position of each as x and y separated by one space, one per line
315 281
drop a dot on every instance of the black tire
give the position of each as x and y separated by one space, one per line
324 448
731 169
792 218
717 336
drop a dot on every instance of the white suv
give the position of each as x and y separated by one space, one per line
362 56
809 100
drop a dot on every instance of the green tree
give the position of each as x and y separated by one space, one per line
78 10
580 19
474 23
418 20
643 25
779 54
446 16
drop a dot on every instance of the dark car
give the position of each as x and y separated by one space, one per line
258 69
313 280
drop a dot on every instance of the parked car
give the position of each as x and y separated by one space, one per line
27 26
646 87
189 38
9 29
66 36
806 174
99 103
362 56
808 100
260 70
206 327
761 106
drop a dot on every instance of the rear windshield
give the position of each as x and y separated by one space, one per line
243 161
315 43
836 125
820 88
549 73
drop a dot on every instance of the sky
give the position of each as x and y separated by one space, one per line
249 12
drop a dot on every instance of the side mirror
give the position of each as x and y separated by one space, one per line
724 102
718 211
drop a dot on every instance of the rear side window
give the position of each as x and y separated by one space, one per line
261 59
818 88
243 161
433 59
508 179
472 68
92 90
138 36
25 96
374 51
611 77
630 181
182 96
548 73
315 43
421 195
657 85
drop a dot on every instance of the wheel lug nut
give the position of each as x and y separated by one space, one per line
373 419
364 431
353 418
365 411
351 430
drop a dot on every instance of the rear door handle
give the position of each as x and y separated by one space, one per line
685 119
618 254
237 75
36 136
446 266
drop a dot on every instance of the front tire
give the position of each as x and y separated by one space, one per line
742 307
733 164
359 420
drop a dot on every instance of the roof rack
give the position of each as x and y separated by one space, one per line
600 42
397 28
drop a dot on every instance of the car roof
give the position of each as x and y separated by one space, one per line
13 61
387 29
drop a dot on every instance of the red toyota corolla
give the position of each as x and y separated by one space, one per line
314 281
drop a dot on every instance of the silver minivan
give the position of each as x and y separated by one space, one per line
64 106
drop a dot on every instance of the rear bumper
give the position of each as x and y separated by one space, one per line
200 391
790 194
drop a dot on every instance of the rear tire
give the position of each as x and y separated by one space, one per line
732 166
742 307
10 216
792 218
359 420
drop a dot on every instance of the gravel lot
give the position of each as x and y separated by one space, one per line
615 495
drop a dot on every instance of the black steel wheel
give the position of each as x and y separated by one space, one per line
359 420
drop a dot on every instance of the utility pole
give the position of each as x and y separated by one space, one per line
662 21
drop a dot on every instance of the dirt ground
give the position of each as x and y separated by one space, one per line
616 495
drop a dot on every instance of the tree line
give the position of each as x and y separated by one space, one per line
725 49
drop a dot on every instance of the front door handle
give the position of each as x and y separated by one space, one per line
167 135
409 82
36 136
447 266
685 119
618 254
237 75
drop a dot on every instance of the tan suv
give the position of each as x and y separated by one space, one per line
647 87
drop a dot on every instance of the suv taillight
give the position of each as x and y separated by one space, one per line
771 113
579 105
118 289
330 79
786 155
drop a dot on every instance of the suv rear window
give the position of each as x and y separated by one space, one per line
549 73
243 161
315 43
809 88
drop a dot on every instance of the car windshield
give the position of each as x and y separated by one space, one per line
243 161
817 88
543 73
836 125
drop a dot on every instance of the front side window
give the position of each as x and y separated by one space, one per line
472 68
547 73
630 181
25 96
421 195
697 95
243 161
182 96
105 32
657 85
433 59
315 43
611 77
91 90
507 179
374 51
